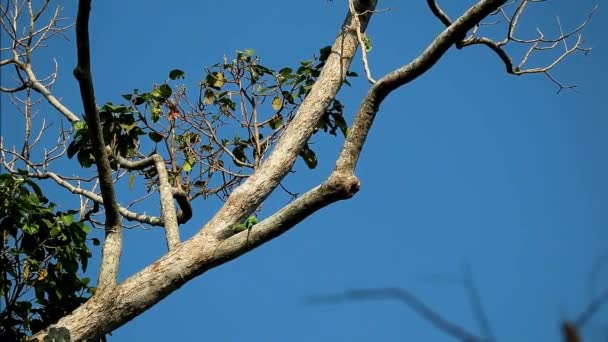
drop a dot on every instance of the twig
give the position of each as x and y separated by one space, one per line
357 28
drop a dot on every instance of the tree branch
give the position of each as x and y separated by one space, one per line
408 299
171 220
23 48
198 254
535 45
383 87
247 197
113 238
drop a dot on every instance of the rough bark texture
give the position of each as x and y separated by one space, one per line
116 305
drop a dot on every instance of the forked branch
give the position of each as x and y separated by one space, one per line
23 47
532 46
171 220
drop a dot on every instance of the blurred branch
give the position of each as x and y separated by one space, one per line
476 305
592 308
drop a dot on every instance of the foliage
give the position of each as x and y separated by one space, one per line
248 224
41 252
215 138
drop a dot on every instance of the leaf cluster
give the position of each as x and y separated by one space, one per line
41 253
216 138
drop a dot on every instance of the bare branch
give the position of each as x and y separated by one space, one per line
534 45
475 300
407 298
371 103
23 48
591 309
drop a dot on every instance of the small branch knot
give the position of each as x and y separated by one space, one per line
347 185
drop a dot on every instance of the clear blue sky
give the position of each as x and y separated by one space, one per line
466 164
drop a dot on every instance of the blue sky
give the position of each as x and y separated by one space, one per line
465 165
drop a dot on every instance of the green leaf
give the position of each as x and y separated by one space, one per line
156 112
176 73
324 53
367 42
209 96
285 72
250 222
219 80
276 121
30 229
83 227
55 231
165 91
277 103
188 164
127 97
85 158
131 181
67 219
155 136
73 147
341 123
139 100
78 125
309 157
156 93
239 154
239 227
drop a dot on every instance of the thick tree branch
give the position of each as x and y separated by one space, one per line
110 309
247 197
337 187
383 87
113 238
113 307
